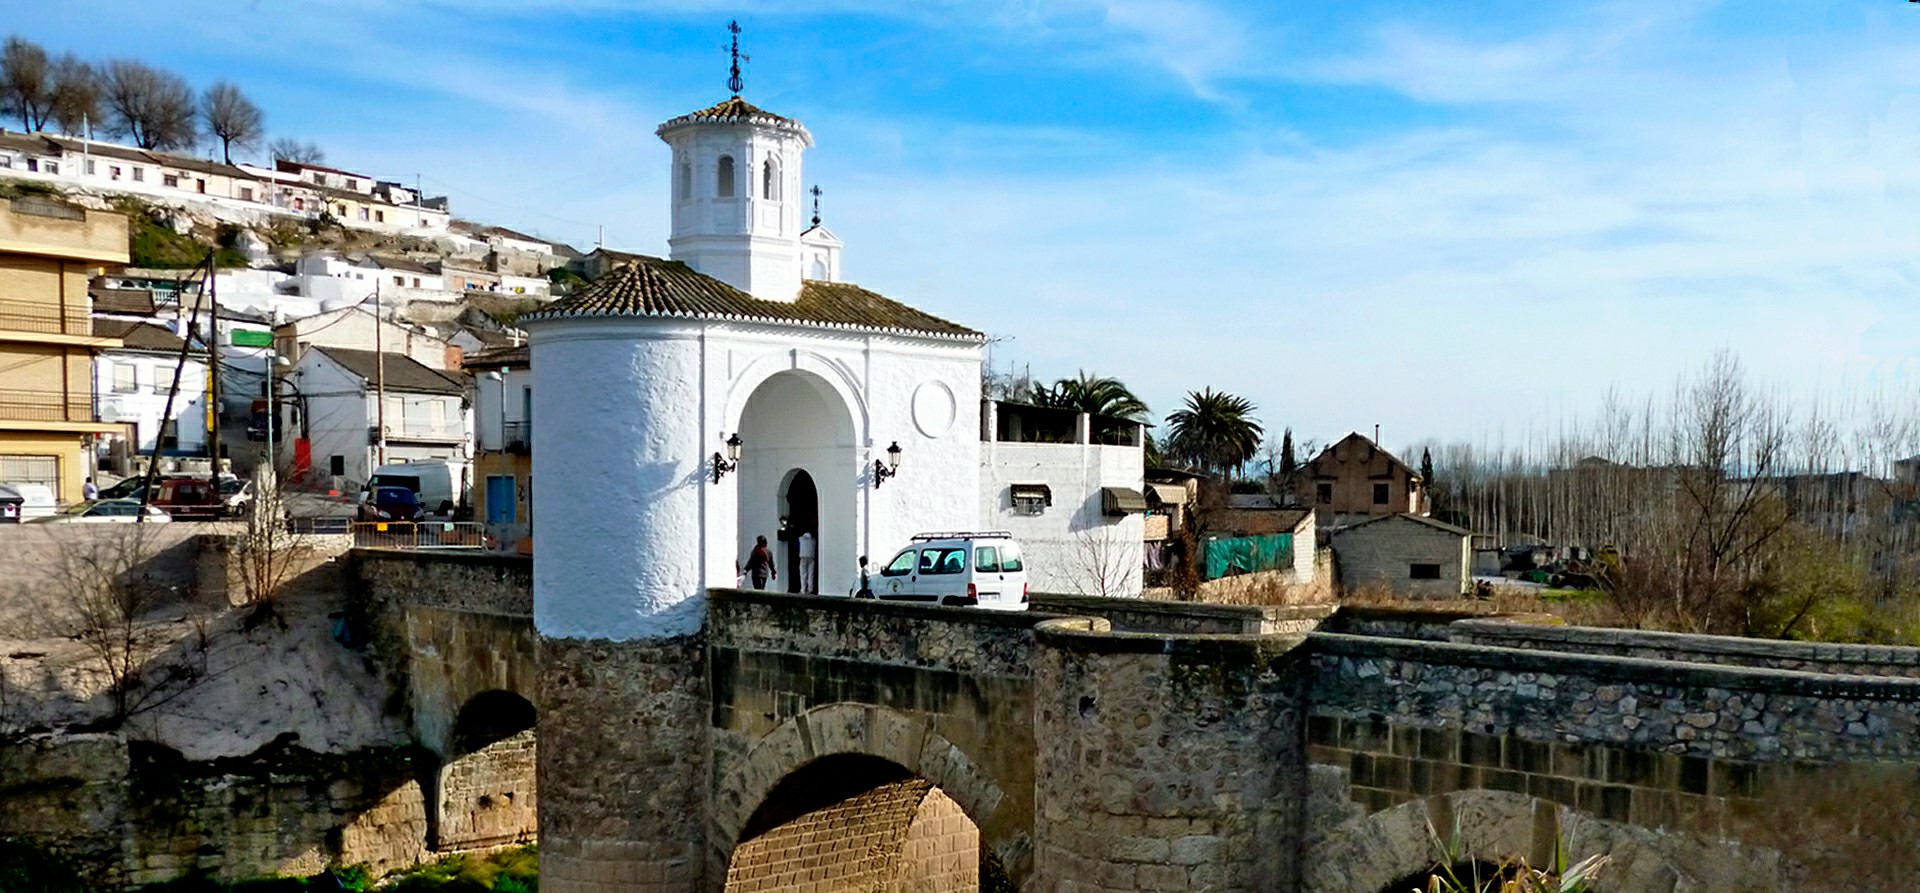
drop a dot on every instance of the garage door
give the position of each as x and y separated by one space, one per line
31 470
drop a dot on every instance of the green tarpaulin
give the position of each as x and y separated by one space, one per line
1247 554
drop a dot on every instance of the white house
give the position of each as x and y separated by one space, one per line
1069 488
356 327
132 384
343 430
652 375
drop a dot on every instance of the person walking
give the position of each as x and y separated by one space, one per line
808 551
760 564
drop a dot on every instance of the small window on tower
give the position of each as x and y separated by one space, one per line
724 177
684 186
770 180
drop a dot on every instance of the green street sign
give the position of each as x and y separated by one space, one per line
246 338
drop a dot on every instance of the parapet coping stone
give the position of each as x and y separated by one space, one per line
1095 635
462 556
840 604
1087 604
1623 669
1726 645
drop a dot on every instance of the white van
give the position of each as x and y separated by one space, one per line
432 480
26 502
979 569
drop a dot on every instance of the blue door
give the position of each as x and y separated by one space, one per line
499 499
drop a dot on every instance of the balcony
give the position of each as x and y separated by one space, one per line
425 430
45 406
518 436
45 318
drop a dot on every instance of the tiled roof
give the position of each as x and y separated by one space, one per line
497 357
138 335
402 372
1417 519
653 287
731 110
133 301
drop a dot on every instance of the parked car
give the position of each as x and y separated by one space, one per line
235 495
974 569
106 511
129 488
25 502
193 498
390 504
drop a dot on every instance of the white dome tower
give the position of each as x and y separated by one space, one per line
736 194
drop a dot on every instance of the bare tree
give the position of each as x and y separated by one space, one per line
231 117
26 85
1102 563
103 599
287 148
154 108
76 95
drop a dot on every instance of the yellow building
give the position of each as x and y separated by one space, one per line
48 252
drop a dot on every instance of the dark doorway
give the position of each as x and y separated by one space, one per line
802 515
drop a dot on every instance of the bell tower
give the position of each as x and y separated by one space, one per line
737 198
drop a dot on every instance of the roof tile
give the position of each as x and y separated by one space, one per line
650 286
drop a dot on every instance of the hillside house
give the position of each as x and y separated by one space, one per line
503 444
344 430
135 382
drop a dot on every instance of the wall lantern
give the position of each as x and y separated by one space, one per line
889 468
728 462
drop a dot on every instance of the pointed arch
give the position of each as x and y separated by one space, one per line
724 177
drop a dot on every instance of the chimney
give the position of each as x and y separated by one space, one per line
1376 433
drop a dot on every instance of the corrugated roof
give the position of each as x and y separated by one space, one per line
402 373
650 286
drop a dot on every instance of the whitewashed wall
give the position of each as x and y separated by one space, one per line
1072 545
641 530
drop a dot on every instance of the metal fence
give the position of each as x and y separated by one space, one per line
425 535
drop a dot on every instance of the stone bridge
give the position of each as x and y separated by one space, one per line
806 743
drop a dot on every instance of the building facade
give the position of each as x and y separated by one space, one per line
1407 554
49 251
353 411
1074 503
1355 480
503 445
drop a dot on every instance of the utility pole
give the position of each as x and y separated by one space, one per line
379 377
213 373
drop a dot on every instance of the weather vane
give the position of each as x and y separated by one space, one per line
816 203
733 74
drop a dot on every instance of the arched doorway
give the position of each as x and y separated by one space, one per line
487 790
799 462
800 515
857 822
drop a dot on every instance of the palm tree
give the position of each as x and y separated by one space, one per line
1092 394
1215 431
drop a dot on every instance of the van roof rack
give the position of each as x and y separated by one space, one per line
963 535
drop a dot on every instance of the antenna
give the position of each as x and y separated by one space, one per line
733 73
816 203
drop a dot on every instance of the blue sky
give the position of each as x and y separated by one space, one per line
1447 219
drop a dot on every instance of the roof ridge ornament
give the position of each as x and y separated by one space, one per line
734 82
816 203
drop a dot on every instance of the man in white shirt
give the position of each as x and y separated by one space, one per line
808 550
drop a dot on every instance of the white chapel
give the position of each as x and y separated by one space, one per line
737 388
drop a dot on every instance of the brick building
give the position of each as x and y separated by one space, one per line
1355 480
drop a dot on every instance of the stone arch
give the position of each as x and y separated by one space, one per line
796 421
486 789
1374 852
829 372
863 730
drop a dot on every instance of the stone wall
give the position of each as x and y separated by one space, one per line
488 797
479 583
126 814
1381 552
624 738
1817 657
39 558
900 837
1167 762
1189 618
